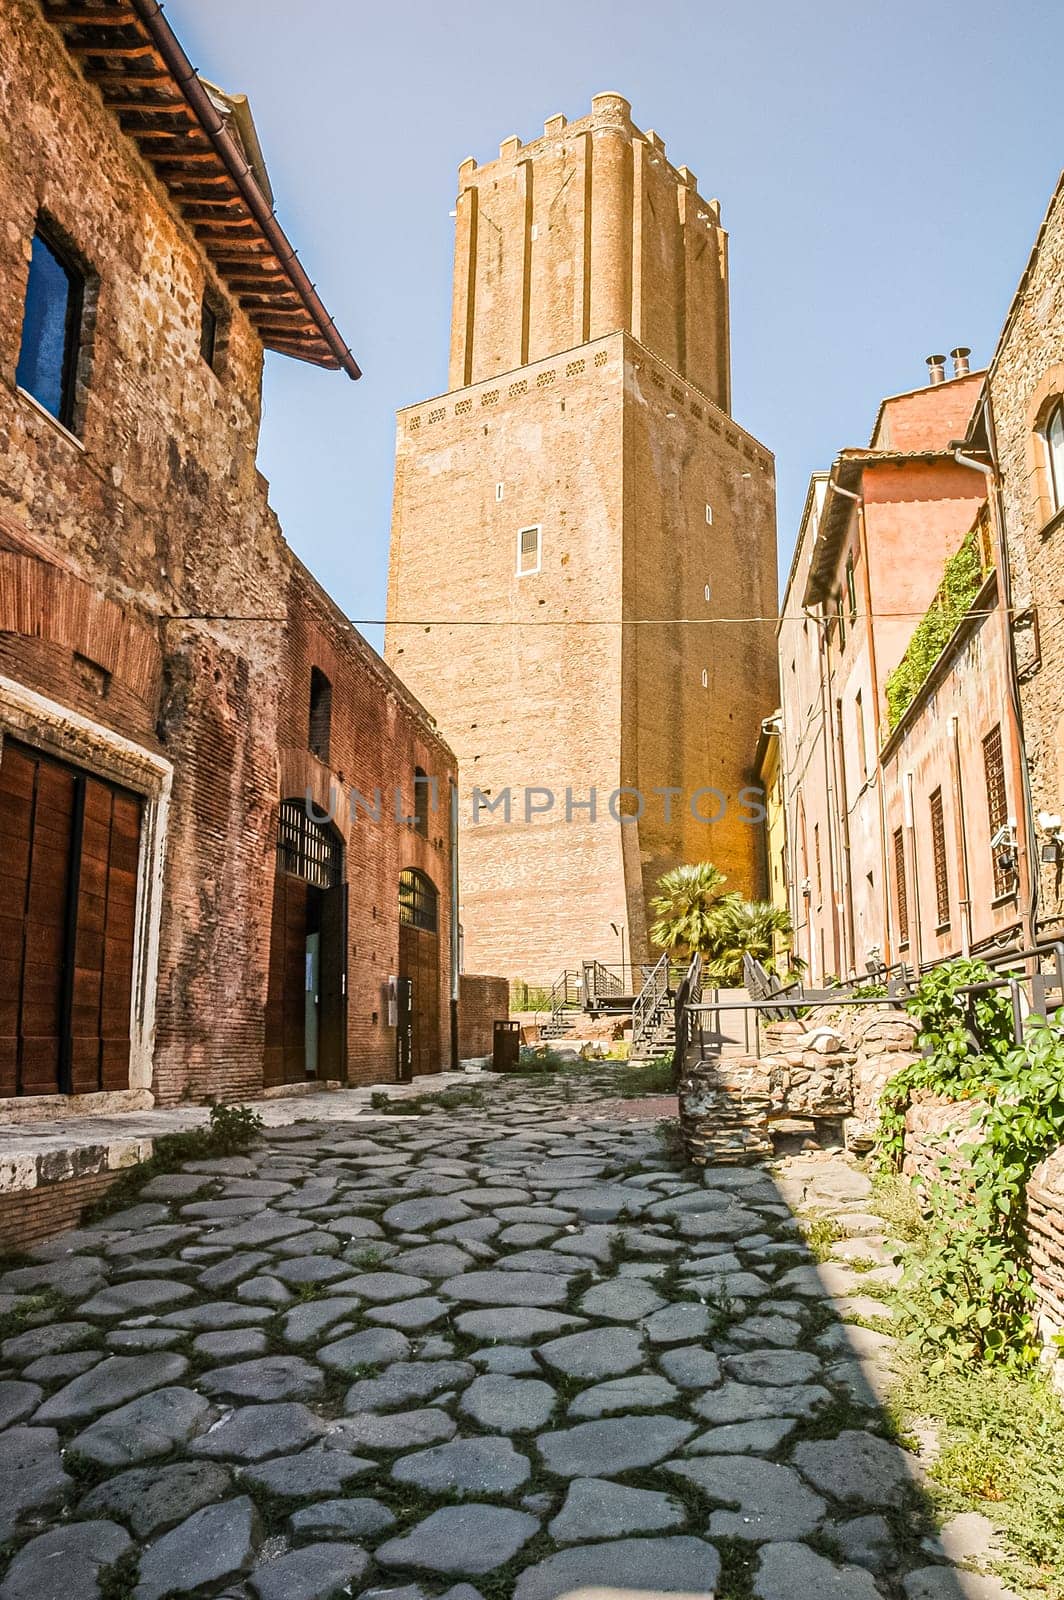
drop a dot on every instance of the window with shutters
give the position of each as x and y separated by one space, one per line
901 888
307 848
938 848
997 803
528 551
418 901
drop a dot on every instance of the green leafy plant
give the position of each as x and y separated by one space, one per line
967 1292
961 581
695 913
234 1128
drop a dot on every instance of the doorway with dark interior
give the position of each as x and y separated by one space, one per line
306 1008
418 1034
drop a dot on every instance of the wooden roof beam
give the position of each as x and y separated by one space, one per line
81 16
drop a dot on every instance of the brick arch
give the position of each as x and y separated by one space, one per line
1049 388
41 601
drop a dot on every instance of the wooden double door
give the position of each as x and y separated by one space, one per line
69 850
419 1002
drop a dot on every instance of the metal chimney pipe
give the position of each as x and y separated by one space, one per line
936 369
960 356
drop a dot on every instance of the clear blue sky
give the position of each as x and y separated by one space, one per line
882 168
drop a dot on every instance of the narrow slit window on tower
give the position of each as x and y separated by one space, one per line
709 513
421 801
499 491
212 335
320 713
529 551
51 328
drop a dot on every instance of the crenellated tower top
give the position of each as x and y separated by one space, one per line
584 232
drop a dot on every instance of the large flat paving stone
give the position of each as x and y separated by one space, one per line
617 1444
311 1573
418 1216
65 1562
602 1202
676 1565
406 1381
621 1300
341 1519
513 1324
433 1260
268 1378
372 1347
209 1547
771 1501
267 1228
149 1500
254 1433
382 1286
641 1392
857 1468
413 1315
19 1400
595 1353
788 1571
746 1402
508 1405
468 1540
32 1475
691 1367
951 1583
53 1339
133 1296
149 1426
312 1473
743 1438
773 1367
597 1509
494 1288
402 1430
476 1466
109 1384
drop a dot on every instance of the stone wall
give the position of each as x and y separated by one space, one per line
1045 1235
828 1066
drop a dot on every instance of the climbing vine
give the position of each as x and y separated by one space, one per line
961 579
968 1293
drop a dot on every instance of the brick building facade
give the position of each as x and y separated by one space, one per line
899 805
580 488
163 655
1018 431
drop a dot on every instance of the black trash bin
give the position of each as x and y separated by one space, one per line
505 1045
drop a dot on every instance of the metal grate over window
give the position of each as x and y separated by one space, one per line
307 848
997 801
901 888
418 901
938 845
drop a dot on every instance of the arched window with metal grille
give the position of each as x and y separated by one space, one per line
418 901
308 848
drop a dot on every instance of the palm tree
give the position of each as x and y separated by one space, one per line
744 927
684 906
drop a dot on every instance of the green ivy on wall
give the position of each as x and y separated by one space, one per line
961 581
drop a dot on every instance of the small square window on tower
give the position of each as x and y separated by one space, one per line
528 551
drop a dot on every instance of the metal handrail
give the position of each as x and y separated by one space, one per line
600 983
690 986
649 1001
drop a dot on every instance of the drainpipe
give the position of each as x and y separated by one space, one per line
960 838
1021 778
833 840
881 810
454 926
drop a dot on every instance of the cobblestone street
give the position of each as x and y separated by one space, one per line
501 1349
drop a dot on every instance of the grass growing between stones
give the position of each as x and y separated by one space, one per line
820 1233
45 1305
419 1105
1000 1432
738 1566
1002 1453
231 1131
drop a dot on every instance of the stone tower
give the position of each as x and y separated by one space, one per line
570 518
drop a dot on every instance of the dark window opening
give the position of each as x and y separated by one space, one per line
422 788
851 590
997 805
307 848
938 845
320 713
51 329
418 901
209 343
901 888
